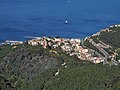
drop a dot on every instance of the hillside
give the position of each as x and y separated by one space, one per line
33 68
109 36
106 42
86 76
27 67
20 65
112 37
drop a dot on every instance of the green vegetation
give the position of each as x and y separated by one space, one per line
111 38
4 49
25 67
95 40
90 46
118 56
86 76
33 68
22 66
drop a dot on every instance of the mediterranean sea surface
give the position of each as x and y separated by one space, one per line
20 18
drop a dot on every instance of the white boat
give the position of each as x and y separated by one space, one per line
66 22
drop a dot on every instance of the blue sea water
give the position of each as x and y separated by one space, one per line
20 18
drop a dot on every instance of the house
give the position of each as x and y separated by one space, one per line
58 40
84 50
66 48
34 43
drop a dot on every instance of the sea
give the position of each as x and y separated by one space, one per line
37 18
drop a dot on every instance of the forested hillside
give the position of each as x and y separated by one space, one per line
86 76
25 67
111 38
21 64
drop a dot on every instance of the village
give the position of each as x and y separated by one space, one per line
70 46
73 46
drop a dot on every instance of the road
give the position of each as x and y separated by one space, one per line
106 55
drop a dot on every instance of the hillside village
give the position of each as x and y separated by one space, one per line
74 47
70 46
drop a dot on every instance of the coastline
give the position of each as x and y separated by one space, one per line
83 36
72 46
